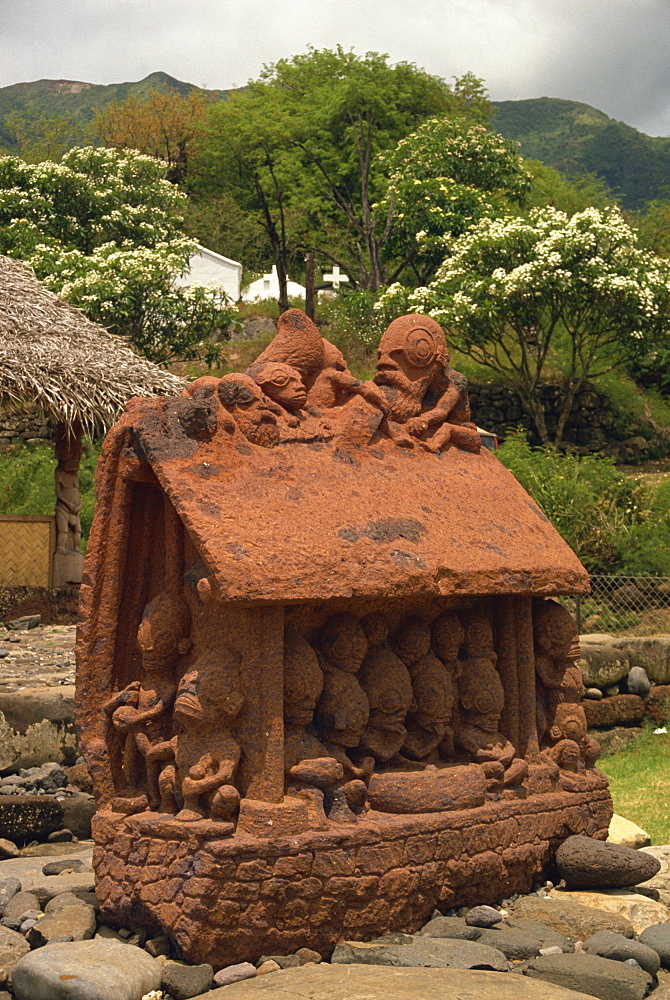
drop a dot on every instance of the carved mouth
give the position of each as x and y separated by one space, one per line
188 705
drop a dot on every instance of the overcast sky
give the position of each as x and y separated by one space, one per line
612 54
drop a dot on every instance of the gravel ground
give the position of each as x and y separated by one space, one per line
37 657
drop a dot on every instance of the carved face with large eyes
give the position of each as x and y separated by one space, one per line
447 637
554 630
163 627
569 723
411 641
413 349
245 401
342 641
281 383
343 710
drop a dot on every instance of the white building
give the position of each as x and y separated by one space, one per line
214 271
267 287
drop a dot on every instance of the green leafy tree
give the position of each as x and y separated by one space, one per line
521 295
549 187
442 178
299 147
103 228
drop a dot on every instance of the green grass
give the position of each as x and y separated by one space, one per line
640 783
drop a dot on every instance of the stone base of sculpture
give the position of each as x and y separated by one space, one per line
233 899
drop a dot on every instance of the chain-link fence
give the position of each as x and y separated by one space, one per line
624 605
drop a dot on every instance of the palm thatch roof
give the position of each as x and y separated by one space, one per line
56 360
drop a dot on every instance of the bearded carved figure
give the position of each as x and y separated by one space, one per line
424 397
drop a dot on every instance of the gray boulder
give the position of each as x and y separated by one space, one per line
586 863
76 922
590 974
658 937
13 947
421 951
621 949
602 665
482 916
522 939
185 981
570 918
451 927
637 682
8 889
81 970
19 903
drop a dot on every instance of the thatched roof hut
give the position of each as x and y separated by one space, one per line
56 360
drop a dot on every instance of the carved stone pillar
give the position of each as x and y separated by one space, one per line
68 558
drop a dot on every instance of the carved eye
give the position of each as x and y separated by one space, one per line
420 348
280 380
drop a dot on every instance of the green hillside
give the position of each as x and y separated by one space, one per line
576 139
76 101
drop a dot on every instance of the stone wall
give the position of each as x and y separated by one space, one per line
15 428
594 426
234 899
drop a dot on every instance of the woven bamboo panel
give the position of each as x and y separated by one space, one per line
26 545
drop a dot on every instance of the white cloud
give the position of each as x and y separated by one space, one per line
608 53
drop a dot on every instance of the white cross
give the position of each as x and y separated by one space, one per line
335 277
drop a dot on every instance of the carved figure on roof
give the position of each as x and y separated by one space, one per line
252 411
141 711
201 780
335 385
281 383
388 687
297 343
422 392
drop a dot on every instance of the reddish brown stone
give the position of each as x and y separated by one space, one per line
320 687
614 711
657 704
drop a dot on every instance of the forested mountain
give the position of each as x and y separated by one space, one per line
576 139
573 138
76 102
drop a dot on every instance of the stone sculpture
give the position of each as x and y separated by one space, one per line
322 685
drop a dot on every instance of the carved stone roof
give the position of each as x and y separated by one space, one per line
317 521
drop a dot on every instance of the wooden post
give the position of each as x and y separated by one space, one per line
68 559
309 285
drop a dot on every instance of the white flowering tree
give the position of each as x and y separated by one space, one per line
444 177
104 229
529 297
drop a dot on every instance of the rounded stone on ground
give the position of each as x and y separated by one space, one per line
636 909
13 946
65 865
185 981
232 974
266 967
553 950
306 955
657 936
591 974
60 837
78 969
623 831
74 922
586 863
610 945
283 961
571 918
19 903
482 916
595 694
157 946
637 682
8 889
8 849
